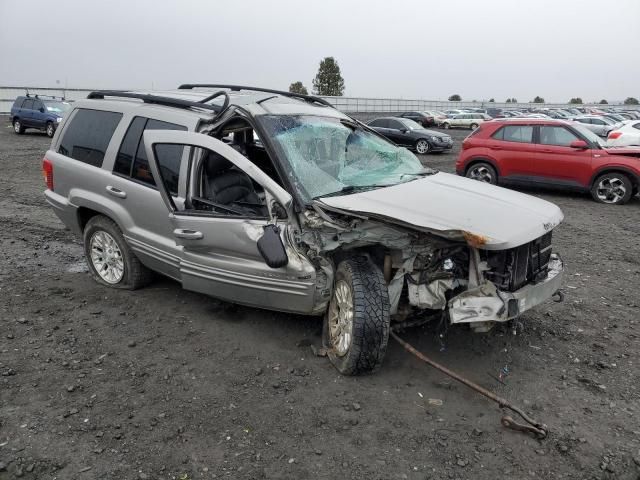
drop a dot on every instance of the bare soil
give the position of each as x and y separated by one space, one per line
161 383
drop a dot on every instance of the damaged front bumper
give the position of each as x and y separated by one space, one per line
486 304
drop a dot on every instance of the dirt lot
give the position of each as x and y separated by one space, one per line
162 383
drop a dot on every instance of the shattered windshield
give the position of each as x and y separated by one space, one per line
327 155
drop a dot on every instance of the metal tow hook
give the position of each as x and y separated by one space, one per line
509 422
558 296
540 430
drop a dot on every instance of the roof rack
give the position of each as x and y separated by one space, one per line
155 99
237 88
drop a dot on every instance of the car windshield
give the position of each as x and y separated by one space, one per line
592 137
56 107
327 155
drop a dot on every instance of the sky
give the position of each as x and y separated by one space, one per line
499 49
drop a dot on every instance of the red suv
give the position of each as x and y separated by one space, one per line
531 151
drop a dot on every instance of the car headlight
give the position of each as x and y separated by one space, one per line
59 119
435 139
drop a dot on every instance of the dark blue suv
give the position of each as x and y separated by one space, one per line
38 112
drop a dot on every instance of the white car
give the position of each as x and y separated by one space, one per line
466 120
625 135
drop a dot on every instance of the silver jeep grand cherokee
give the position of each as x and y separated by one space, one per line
279 201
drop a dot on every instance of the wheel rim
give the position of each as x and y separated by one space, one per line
106 257
16 126
341 318
446 126
611 190
473 126
481 173
422 146
50 130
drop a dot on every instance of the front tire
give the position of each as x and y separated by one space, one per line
446 125
50 130
111 261
18 127
357 322
422 146
612 188
473 126
482 172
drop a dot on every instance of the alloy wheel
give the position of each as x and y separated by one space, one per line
341 318
480 173
106 257
611 190
17 126
422 147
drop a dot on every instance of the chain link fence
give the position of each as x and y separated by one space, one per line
345 104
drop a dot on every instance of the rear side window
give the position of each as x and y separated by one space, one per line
132 158
88 135
28 104
515 133
380 123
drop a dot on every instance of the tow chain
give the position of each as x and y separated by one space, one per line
540 430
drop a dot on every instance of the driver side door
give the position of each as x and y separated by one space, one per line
219 249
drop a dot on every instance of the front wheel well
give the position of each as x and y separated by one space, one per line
635 182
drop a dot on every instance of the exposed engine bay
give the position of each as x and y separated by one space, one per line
427 274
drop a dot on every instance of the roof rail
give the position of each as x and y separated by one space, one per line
155 99
237 88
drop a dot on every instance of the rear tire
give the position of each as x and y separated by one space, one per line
483 172
18 127
446 125
50 130
613 188
105 247
473 126
357 322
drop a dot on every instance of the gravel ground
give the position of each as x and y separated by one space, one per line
163 383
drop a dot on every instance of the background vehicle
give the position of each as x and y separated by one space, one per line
423 118
406 132
625 135
357 230
37 112
552 153
450 113
601 126
466 120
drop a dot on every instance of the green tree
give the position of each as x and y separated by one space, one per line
508 100
576 101
514 100
538 100
491 100
298 87
455 98
631 101
328 80
603 102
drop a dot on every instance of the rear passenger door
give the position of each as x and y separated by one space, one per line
131 185
26 113
513 149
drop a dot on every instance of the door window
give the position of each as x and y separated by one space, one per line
380 123
396 124
554 135
88 135
37 105
132 159
515 133
27 104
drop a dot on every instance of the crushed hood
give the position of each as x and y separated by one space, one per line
449 205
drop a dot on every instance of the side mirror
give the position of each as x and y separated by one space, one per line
579 144
271 247
405 130
278 211
41 109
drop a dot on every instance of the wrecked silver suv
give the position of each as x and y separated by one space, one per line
280 201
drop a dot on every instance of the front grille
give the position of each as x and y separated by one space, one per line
511 269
